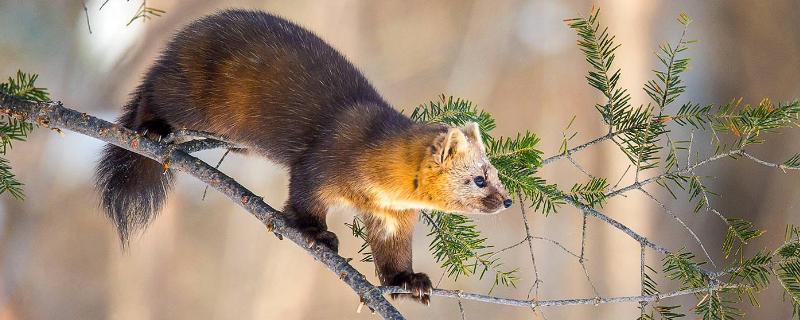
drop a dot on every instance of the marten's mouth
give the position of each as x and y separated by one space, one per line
485 210
496 211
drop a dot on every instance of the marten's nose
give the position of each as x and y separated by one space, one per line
507 203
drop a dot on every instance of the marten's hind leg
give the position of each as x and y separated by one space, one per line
140 117
307 212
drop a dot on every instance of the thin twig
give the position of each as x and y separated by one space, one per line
579 148
621 177
589 279
768 164
642 304
583 237
536 281
509 247
579 167
582 258
559 245
219 163
86 12
689 152
676 218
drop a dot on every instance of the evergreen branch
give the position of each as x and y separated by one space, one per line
599 49
713 306
358 228
739 233
456 242
592 192
640 127
649 287
9 182
23 87
696 115
54 115
668 87
697 190
791 163
755 270
544 197
681 266
520 151
788 273
581 147
457 245
455 112
749 122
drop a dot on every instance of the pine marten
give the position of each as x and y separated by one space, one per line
271 86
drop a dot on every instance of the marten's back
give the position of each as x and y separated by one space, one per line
255 78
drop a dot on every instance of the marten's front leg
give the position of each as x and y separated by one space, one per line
307 213
389 237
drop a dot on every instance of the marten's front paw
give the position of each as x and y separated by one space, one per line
418 283
316 235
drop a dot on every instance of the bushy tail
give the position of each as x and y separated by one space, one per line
132 187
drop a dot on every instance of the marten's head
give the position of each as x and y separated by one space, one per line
457 174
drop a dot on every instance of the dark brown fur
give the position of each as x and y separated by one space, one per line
274 87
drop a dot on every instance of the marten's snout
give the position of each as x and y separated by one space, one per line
495 202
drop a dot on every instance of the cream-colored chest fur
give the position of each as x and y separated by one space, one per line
395 201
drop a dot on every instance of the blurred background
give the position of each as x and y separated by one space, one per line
209 259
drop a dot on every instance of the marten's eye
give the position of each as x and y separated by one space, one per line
480 181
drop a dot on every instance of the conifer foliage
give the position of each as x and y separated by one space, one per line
643 134
22 86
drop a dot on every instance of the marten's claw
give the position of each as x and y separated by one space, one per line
326 238
418 284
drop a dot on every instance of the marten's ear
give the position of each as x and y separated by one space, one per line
449 144
473 133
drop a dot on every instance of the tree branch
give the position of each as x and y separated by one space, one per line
579 148
533 303
688 169
54 115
